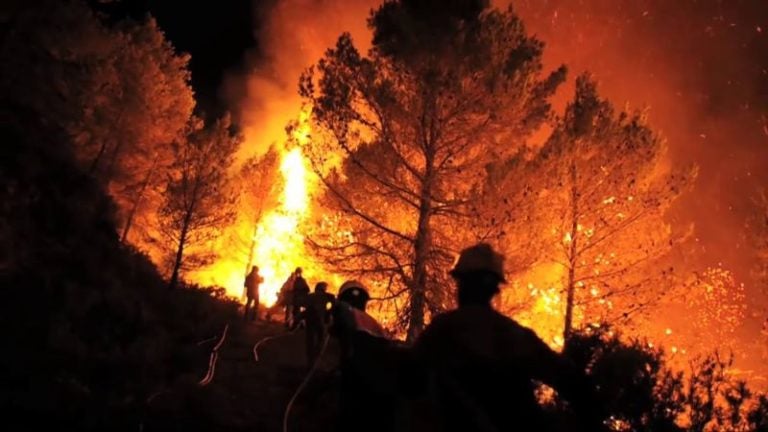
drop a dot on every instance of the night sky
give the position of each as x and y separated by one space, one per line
216 34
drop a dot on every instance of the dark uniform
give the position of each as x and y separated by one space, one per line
252 282
284 298
317 317
480 365
299 294
367 390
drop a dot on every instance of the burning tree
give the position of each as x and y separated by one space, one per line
198 201
602 193
443 92
256 187
155 106
714 304
260 175
120 91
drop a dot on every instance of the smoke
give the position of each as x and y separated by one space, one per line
702 68
292 35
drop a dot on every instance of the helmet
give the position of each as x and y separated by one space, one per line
354 293
479 258
321 287
354 288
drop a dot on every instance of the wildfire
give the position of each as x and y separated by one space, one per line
278 244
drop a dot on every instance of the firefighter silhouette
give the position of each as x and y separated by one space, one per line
480 364
364 350
317 318
252 283
298 295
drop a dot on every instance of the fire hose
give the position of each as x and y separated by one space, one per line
481 419
213 359
304 383
267 339
209 374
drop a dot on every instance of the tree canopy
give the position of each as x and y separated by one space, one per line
416 125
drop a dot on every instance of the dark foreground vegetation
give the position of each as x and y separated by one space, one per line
90 328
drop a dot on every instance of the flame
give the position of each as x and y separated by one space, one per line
278 243
295 176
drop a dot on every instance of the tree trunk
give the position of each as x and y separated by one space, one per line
421 251
419 284
103 151
109 174
572 258
97 159
136 202
174 282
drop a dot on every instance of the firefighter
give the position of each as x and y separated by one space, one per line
298 296
366 390
351 311
317 317
480 364
285 296
252 282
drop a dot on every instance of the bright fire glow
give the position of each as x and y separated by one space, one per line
278 244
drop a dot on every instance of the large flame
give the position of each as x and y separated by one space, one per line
278 244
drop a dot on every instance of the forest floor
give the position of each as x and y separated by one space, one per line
251 392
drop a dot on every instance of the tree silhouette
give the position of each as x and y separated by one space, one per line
198 200
257 185
120 91
600 192
417 123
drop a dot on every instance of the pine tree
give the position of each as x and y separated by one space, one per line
198 200
441 94
120 91
601 194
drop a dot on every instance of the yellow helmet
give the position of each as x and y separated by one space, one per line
479 258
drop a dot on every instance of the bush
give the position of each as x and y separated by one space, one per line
641 393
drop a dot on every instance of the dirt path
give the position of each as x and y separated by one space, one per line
250 395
